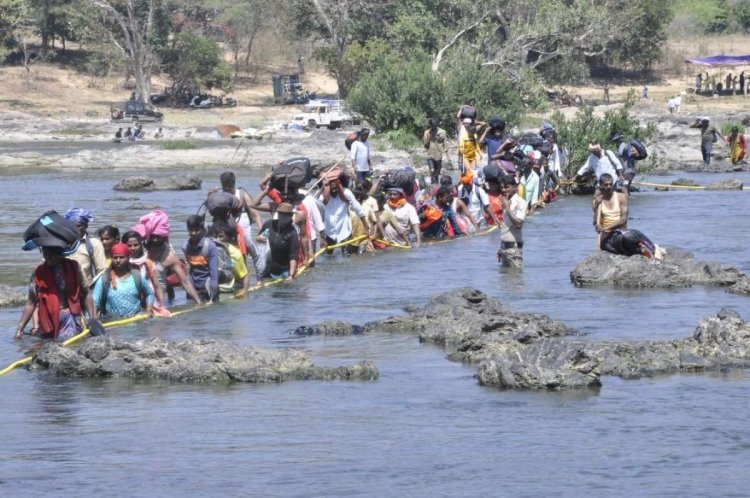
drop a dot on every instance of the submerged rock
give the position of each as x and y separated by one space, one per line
678 269
146 184
10 296
329 328
190 361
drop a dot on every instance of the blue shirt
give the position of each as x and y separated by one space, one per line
123 301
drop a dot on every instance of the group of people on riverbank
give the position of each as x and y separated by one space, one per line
134 133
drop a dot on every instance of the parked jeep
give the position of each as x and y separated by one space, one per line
134 111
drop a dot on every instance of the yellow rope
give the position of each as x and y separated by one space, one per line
649 184
143 316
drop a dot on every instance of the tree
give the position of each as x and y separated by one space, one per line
341 22
196 59
135 21
242 21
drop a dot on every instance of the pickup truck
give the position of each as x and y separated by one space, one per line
328 113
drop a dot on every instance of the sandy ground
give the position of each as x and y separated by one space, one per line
54 105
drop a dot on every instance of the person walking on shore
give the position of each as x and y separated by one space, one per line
434 140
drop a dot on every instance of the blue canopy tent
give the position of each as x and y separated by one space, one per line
720 61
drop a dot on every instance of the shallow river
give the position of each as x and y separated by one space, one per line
424 428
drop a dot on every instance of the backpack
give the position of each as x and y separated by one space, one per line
51 230
468 111
226 265
642 152
401 178
107 283
429 215
531 139
223 206
291 174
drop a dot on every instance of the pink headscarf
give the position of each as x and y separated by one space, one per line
154 223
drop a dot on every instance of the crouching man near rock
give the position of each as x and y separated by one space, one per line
511 237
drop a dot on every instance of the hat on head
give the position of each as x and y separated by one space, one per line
466 178
617 138
120 249
466 120
705 119
284 208
396 189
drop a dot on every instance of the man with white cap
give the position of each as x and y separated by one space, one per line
709 136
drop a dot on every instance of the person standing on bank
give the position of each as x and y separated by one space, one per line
360 156
514 213
709 136
434 141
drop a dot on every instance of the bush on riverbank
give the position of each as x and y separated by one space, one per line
179 145
586 128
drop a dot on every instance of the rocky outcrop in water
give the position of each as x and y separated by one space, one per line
531 351
678 269
10 296
146 184
719 341
190 361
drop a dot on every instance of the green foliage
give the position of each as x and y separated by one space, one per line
586 128
358 58
199 59
726 128
179 144
400 139
401 94
711 16
642 32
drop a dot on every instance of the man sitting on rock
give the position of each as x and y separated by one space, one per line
611 223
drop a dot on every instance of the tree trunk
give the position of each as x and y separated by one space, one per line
45 30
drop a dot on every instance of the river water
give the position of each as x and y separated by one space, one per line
424 428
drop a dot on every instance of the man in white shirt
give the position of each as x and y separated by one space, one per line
360 156
514 213
600 161
476 200
336 202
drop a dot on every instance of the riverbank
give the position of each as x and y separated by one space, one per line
42 127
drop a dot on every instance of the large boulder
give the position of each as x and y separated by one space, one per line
677 269
146 184
547 364
10 296
190 361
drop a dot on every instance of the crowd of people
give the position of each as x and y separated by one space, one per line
274 234
716 84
